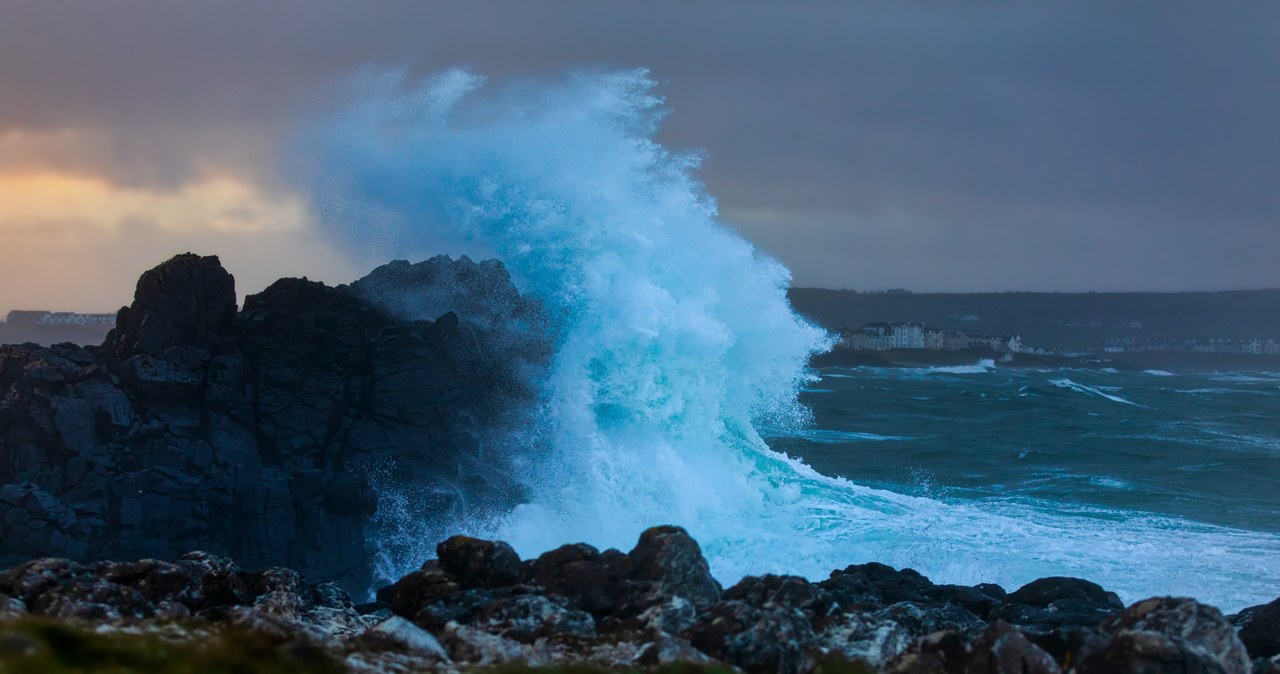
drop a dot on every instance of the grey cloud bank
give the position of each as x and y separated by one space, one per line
1090 146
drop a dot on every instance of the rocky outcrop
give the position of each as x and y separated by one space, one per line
1260 629
480 605
268 434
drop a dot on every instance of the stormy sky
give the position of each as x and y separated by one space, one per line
930 146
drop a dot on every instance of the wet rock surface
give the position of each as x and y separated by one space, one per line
1260 629
480 605
256 434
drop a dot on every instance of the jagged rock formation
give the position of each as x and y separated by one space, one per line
255 434
479 605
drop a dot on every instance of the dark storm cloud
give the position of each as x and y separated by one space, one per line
948 146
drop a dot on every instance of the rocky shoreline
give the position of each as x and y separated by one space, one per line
478 605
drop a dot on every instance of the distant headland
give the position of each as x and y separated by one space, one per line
1193 330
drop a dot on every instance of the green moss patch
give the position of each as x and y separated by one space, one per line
38 647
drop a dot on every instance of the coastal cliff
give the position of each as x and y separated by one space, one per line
257 433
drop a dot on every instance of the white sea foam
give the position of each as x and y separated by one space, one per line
840 437
675 342
981 367
1109 482
1158 373
1089 390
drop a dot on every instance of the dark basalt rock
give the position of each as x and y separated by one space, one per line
1169 634
411 594
516 613
1071 645
770 591
592 581
1000 649
1260 629
981 600
877 637
919 620
1005 649
876 584
1266 666
276 602
1056 602
480 563
756 640
93 600
1059 614
190 301
478 606
669 557
667 582
1046 591
254 434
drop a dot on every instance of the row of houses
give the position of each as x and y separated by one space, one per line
59 318
886 336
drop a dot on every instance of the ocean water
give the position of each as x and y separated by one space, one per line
1180 470
680 391
1200 446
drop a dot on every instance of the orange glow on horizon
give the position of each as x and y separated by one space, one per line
219 203
75 243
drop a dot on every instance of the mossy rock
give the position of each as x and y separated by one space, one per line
40 647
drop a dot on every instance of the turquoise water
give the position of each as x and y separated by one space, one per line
1201 446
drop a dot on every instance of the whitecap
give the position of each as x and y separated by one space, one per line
1090 390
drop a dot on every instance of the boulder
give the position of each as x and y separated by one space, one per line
1168 634
669 558
1057 602
1046 591
1260 630
592 581
980 600
415 591
876 584
479 563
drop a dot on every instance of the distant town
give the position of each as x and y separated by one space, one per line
59 318
52 327
888 336
1221 330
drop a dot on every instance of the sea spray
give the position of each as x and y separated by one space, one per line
674 334
674 342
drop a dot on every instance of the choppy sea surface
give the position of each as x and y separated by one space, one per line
1196 451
